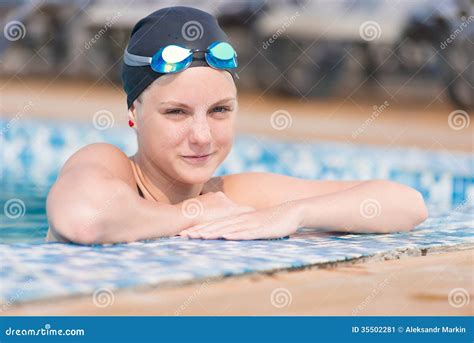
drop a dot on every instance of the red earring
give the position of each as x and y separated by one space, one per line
131 123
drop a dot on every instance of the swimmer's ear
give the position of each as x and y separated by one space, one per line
132 111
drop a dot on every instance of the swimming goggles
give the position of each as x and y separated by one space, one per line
175 58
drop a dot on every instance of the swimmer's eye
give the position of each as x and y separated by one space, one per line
221 109
221 112
218 110
175 111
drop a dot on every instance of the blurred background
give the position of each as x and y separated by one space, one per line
360 71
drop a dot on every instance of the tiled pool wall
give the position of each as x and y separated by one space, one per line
32 153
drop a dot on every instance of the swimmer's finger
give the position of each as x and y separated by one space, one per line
244 235
222 225
210 226
194 232
195 228
231 228
199 227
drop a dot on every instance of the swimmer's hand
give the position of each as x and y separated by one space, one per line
374 206
273 222
212 206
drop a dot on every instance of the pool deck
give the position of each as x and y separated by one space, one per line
402 286
385 285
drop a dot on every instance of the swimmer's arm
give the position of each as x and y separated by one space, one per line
376 206
262 190
95 201
108 211
332 205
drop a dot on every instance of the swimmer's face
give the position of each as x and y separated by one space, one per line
185 123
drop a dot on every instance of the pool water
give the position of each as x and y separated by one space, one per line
23 218
33 152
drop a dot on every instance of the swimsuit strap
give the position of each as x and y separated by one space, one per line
138 180
140 193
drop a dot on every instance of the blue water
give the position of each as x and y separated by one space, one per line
23 218
33 152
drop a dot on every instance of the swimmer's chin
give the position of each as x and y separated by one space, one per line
194 175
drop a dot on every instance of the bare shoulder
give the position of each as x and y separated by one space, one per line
260 189
84 172
100 156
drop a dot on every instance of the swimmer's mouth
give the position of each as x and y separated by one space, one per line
197 158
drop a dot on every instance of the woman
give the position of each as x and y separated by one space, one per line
178 75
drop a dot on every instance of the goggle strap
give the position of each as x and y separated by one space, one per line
135 60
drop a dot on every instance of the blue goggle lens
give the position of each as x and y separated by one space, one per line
174 58
171 59
221 55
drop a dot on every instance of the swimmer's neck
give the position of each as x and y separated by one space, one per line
159 186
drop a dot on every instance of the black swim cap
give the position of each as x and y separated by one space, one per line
185 26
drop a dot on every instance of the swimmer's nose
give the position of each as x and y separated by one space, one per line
200 131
